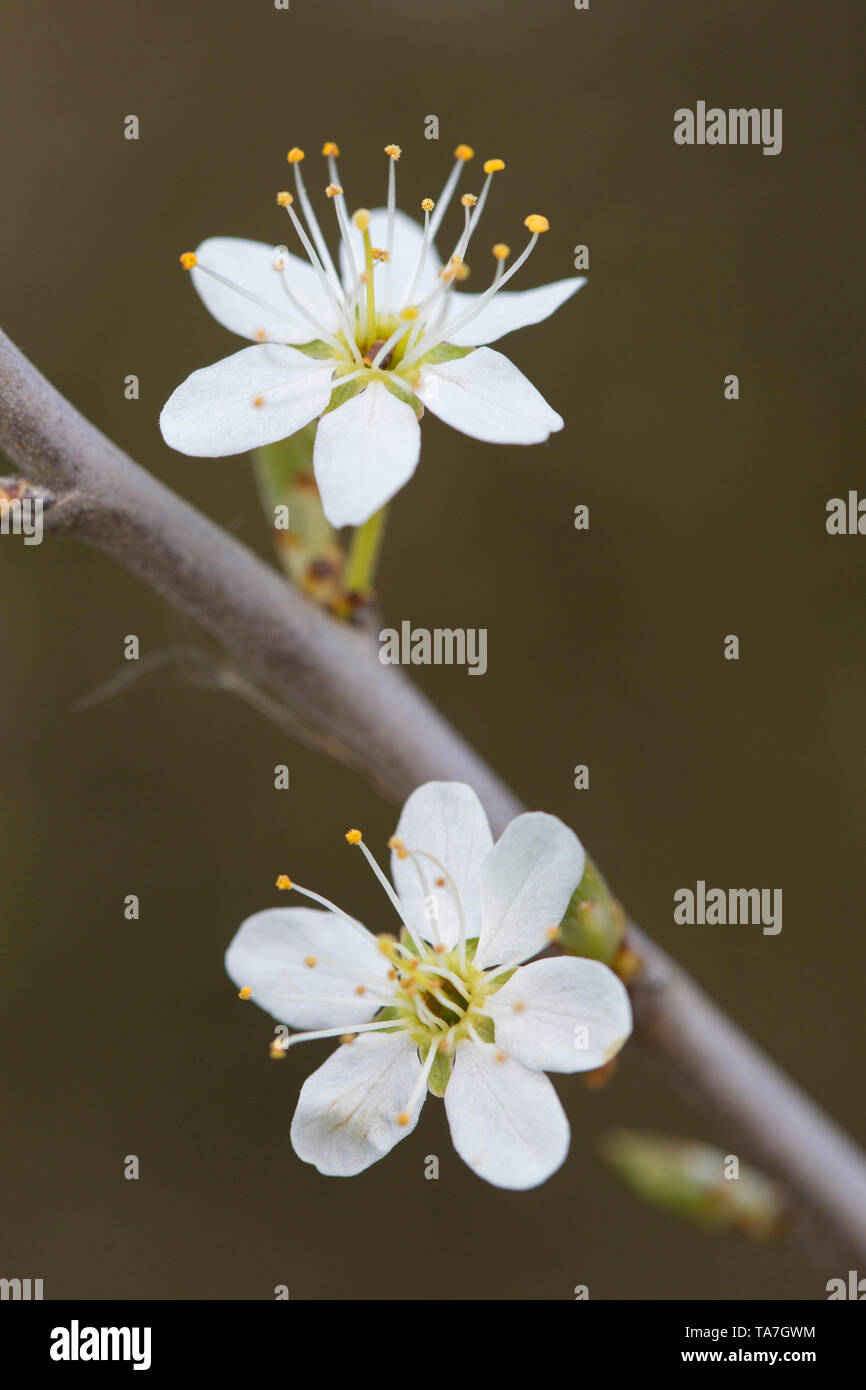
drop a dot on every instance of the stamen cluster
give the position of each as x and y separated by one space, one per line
394 332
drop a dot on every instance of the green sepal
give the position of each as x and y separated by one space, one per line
445 352
408 940
341 394
440 1074
316 348
402 396
497 981
485 1030
388 1012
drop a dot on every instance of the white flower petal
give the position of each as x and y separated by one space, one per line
506 1121
445 820
213 414
527 880
268 954
507 311
408 237
365 451
250 264
347 1111
567 1014
485 396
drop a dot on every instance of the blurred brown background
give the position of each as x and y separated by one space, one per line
707 518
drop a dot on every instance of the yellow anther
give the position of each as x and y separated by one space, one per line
380 254
500 1057
536 223
392 975
333 190
295 155
277 1051
461 273
361 989
331 147
397 845
414 963
261 335
348 1038
427 205
501 251
258 401
188 260
469 200
447 272
393 151
464 152
403 1120
284 882
387 944
493 166
245 993
354 837
456 260
361 219
552 933
310 961
285 199
518 1007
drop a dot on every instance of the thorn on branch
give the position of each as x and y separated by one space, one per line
18 489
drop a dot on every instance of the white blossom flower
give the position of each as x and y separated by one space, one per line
365 348
450 1007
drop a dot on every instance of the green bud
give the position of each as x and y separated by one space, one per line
697 1182
594 922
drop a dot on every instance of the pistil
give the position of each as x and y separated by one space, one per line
362 222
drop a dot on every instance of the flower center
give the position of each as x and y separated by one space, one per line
436 997
446 1004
